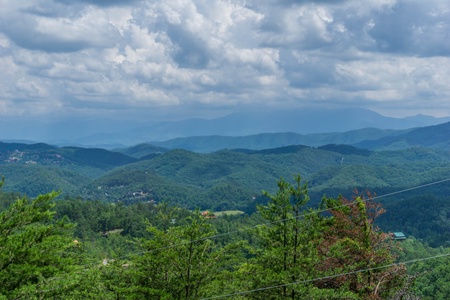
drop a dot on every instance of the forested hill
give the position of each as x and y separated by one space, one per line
50 155
39 168
226 179
437 136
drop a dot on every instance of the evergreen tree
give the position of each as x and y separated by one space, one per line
37 254
287 254
180 262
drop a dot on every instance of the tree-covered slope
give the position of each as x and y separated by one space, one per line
221 180
35 179
141 150
44 154
437 136
233 178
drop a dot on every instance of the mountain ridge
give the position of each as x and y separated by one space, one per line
108 133
223 179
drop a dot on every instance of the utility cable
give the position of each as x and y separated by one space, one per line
287 219
278 221
270 223
309 280
327 277
381 196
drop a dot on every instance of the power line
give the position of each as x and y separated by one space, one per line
327 277
287 219
302 281
412 188
383 196
269 223
278 221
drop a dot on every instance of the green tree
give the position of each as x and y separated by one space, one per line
37 253
181 262
287 253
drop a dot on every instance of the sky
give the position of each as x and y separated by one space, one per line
178 59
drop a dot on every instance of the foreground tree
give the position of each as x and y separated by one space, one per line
181 262
286 259
36 253
353 246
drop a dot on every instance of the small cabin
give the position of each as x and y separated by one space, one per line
398 236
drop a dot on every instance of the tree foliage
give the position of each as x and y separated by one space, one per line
35 251
179 262
354 246
287 250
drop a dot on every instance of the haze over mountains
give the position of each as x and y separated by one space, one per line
36 168
107 133
233 157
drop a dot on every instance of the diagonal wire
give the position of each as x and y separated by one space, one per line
327 277
287 219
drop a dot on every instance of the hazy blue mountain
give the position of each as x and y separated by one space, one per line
109 133
142 150
437 136
60 132
274 140
300 121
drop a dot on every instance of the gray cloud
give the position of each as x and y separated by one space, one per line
413 27
50 31
27 38
190 51
91 56
104 3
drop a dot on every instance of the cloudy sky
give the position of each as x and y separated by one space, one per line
206 58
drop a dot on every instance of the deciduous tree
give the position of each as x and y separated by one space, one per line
353 246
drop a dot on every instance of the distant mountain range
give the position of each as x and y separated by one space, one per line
110 134
250 164
273 140
232 172
437 136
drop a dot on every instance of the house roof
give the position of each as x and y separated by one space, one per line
399 235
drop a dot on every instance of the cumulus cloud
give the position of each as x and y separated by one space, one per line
92 56
32 26
413 27
101 3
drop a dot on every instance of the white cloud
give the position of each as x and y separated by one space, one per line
82 55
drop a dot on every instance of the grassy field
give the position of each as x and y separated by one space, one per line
228 212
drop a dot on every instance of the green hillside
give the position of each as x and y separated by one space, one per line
141 150
431 136
225 179
94 157
44 154
220 180
233 179
35 179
